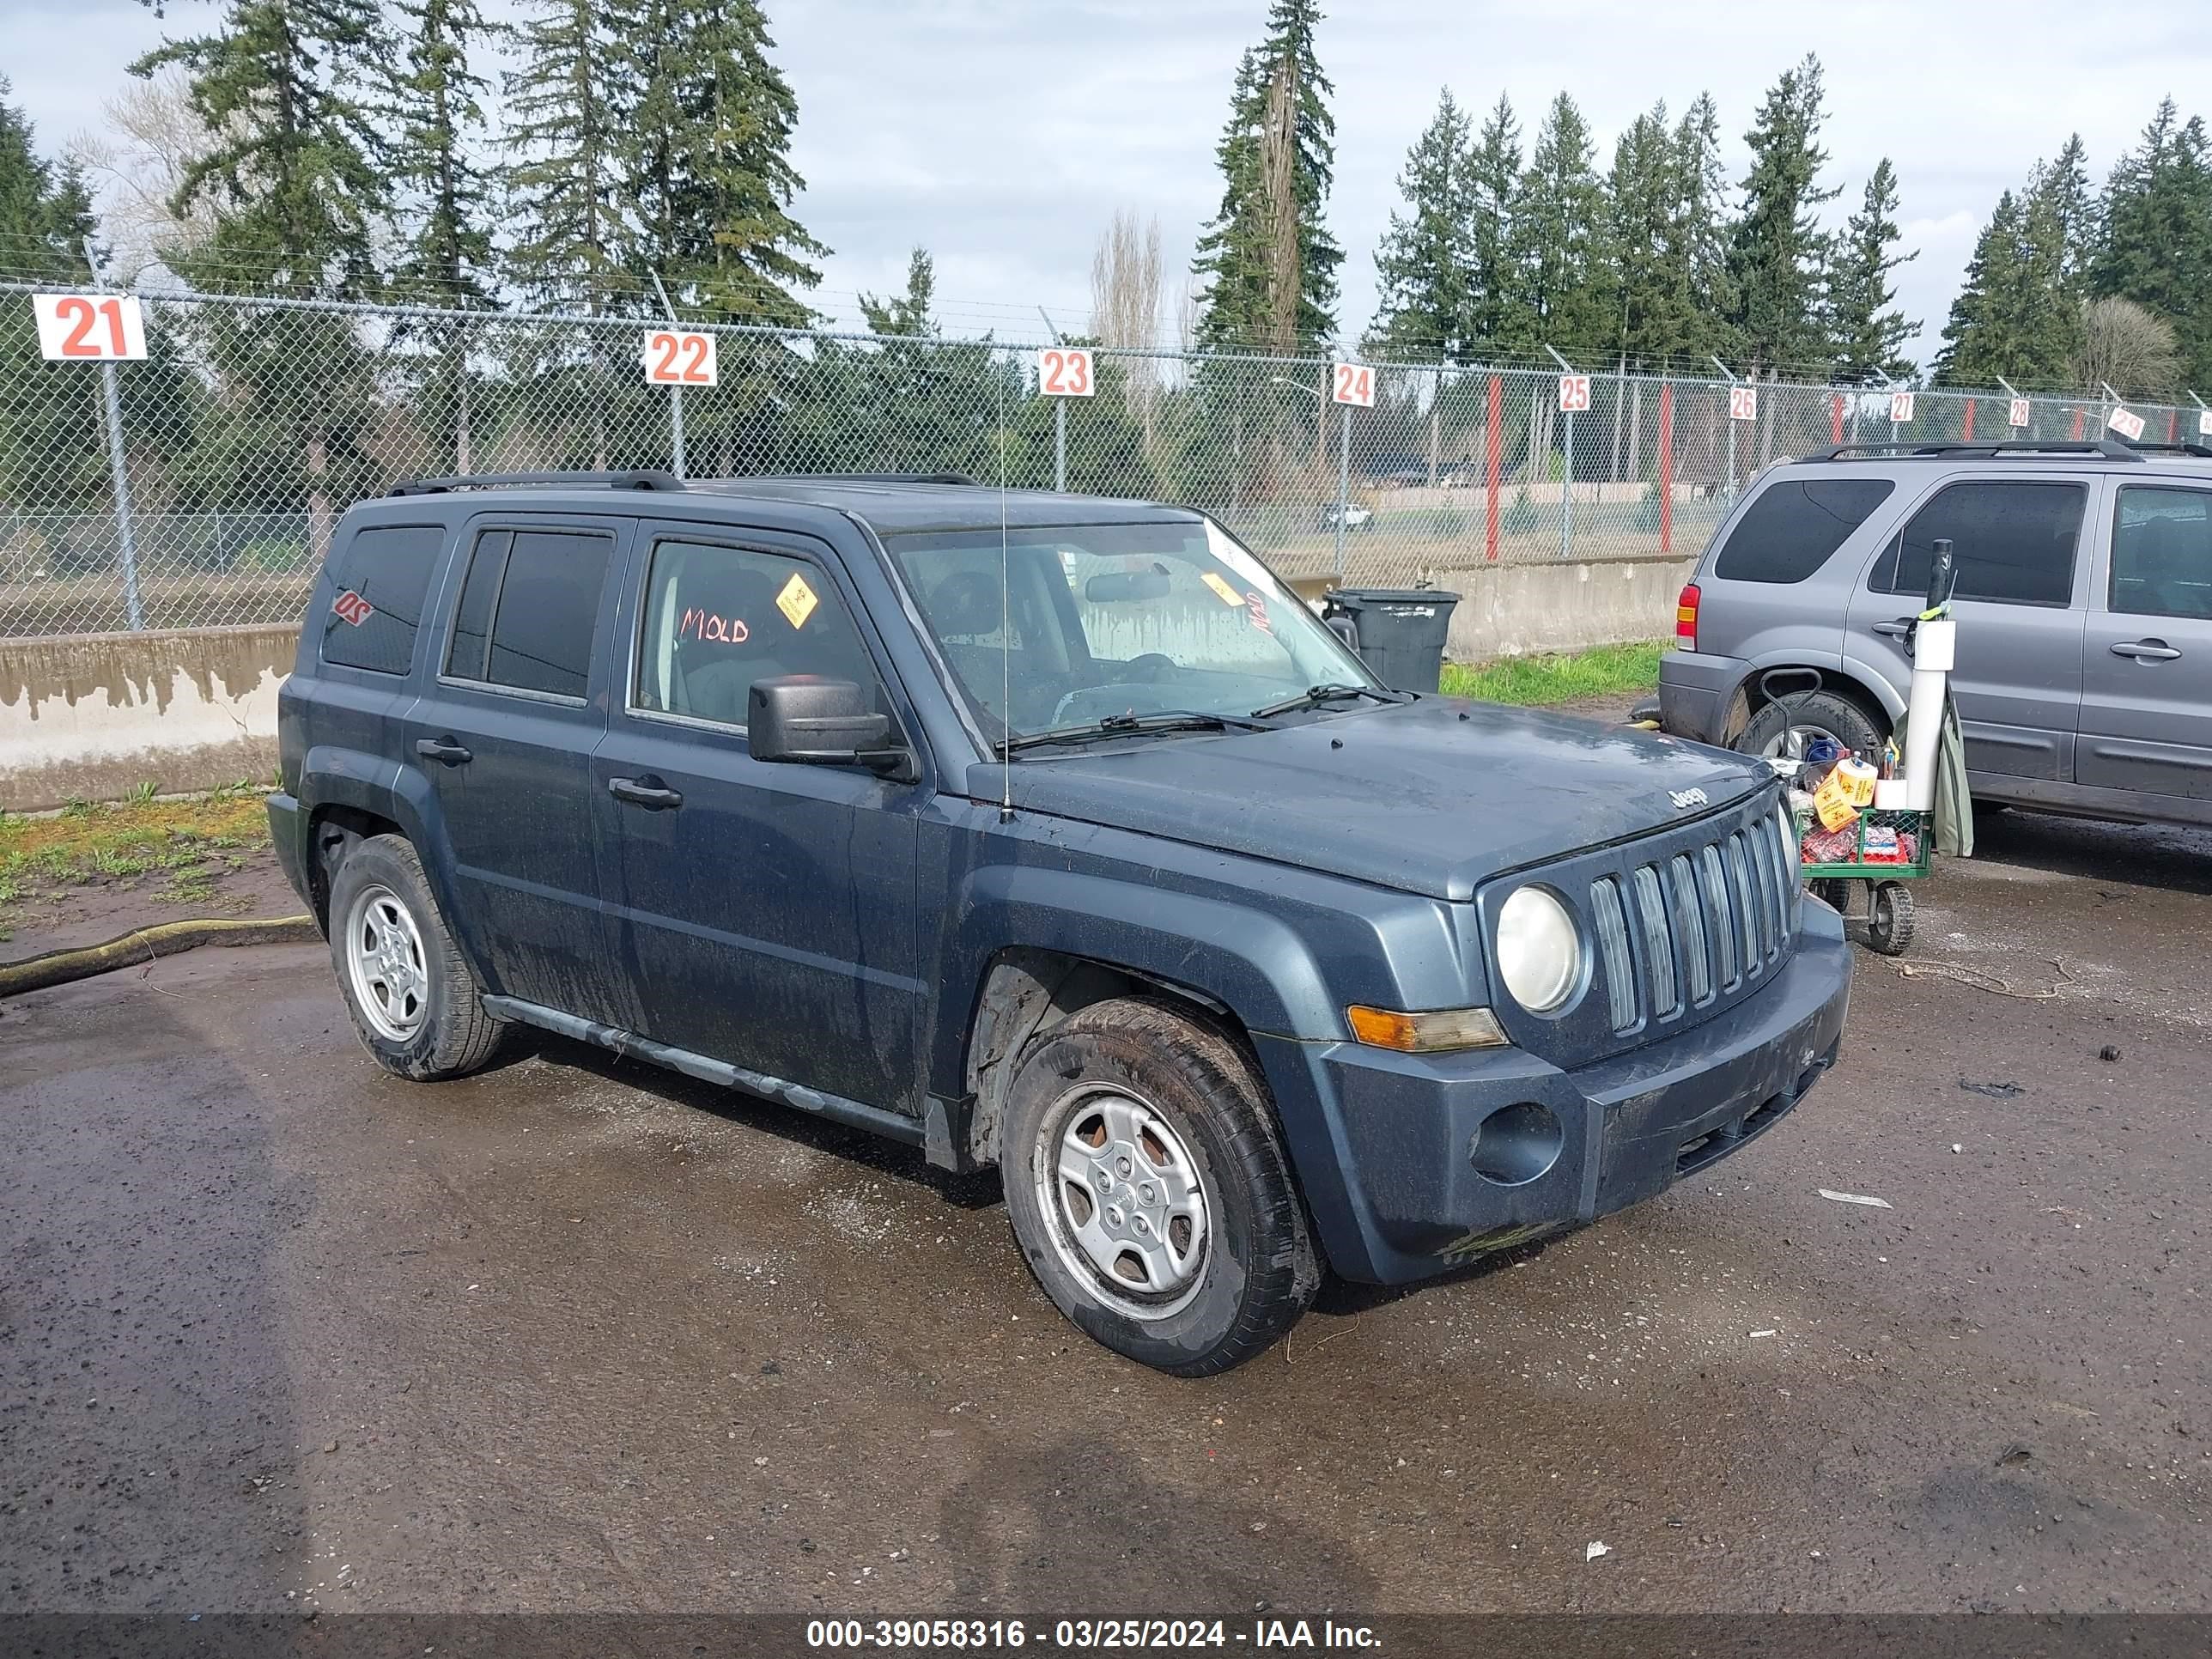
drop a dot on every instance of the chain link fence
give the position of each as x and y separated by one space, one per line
252 424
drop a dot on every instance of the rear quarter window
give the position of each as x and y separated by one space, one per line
1796 525
382 575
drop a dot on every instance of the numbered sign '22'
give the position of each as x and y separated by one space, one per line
675 356
1065 372
1355 383
89 327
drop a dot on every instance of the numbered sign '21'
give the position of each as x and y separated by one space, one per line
89 328
1355 383
1065 372
676 356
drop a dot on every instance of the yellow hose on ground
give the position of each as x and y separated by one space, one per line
143 945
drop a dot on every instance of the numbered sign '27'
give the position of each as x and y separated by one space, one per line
675 356
1065 372
89 328
1355 383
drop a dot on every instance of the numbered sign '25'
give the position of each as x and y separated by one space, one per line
89 328
674 357
1065 372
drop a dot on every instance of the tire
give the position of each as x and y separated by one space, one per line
1221 1263
1804 713
1889 918
1833 891
416 1006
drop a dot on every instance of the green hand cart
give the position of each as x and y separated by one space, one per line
1840 859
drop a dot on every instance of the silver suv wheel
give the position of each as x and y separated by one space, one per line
384 960
1127 1208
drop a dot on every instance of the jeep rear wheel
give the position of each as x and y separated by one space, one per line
414 1004
1149 1189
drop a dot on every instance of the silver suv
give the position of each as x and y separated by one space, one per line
2084 677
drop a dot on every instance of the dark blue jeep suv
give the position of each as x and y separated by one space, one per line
1048 832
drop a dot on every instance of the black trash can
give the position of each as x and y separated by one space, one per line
1398 632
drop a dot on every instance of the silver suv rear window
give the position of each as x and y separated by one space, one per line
1794 526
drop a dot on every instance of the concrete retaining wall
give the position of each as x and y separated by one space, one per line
91 716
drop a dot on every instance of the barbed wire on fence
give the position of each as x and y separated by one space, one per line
253 422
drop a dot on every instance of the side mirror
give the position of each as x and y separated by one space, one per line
817 722
1346 629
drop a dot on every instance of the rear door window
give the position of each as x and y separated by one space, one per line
2013 542
2162 553
383 576
1795 525
528 610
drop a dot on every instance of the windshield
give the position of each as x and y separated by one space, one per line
1101 622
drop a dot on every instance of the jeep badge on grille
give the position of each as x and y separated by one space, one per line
1686 797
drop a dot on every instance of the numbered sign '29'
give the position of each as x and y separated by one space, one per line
1355 383
89 328
676 356
1065 372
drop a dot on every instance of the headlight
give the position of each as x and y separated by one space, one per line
1539 951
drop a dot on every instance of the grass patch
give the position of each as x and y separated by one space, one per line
1608 670
189 839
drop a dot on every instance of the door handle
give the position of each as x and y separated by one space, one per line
2146 650
648 791
1896 630
443 748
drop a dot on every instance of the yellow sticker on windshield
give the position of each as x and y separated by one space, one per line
797 601
1223 591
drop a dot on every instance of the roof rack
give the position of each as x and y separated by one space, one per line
853 477
2103 449
641 479
2200 452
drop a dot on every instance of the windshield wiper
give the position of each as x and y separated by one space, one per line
1133 725
1315 695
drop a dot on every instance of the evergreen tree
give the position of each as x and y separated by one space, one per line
1777 251
294 169
706 162
1268 258
2157 245
908 313
568 105
446 256
1427 259
1980 340
1867 334
45 213
2067 182
1559 245
1657 310
1494 180
1705 226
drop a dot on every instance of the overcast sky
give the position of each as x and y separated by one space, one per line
1003 134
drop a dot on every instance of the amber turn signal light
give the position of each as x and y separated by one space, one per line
1422 1034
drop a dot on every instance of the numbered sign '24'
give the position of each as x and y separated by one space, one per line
89 328
1065 372
679 356
1355 383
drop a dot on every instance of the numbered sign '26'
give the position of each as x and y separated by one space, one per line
1355 383
89 328
1065 372
1743 403
677 356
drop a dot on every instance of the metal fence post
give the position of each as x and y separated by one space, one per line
1667 466
1493 445
118 467
1343 482
675 392
1059 444
1567 481
1731 380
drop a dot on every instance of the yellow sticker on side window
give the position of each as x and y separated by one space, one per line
797 601
1223 591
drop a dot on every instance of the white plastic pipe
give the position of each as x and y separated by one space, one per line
1934 646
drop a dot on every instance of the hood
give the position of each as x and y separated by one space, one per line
1432 796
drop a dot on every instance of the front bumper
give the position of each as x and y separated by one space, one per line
1388 1162
1696 691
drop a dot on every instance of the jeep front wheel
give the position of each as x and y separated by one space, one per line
414 1004
1150 1192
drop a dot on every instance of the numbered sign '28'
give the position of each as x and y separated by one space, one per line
675 356
1355 383
89 328
1065 372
